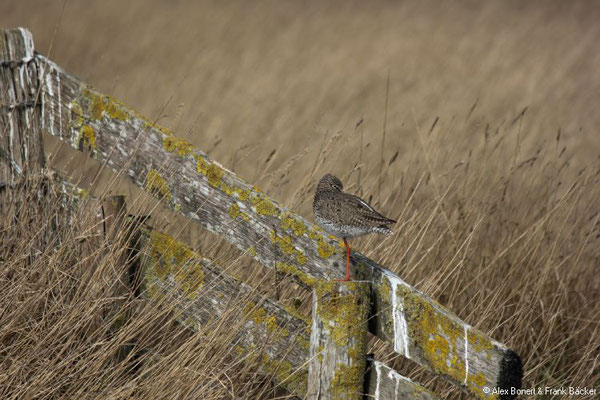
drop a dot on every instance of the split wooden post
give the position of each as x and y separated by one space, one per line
338 340
20 112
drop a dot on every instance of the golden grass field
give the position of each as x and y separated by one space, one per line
487 151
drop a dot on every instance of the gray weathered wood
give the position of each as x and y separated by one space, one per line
387 384
169 268
338 340
276 339
199 188
20 135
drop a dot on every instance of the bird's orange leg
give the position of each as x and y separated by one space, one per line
347 263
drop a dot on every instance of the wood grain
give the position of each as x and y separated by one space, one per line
192 184
20 135
338 340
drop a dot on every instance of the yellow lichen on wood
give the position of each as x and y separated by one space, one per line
343 312
296 272
157 185
212 171
264 206
384 291
81 193
341 309
87 137
441 340
344 381
284 242
262 317
294 312
171 257
234 210
190 278
77 118
99 104
294 380
297 227
324 249
479 342
180 147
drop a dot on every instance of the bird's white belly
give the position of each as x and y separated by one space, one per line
341 231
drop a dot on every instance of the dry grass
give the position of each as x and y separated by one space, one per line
69 330
498 211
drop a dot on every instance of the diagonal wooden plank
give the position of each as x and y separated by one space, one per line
387 384
202 293
277 340
192 184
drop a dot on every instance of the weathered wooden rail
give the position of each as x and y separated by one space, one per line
38 95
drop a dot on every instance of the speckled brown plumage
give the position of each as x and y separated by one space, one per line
345 215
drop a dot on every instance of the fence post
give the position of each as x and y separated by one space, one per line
114 212
338 340
20 116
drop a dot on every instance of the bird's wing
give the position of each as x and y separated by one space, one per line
366 210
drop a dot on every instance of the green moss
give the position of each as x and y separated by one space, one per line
157 185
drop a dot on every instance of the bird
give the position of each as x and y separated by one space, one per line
345 215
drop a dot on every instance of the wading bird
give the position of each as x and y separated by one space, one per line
345 215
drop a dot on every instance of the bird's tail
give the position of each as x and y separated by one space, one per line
383 229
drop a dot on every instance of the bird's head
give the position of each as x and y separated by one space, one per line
330 182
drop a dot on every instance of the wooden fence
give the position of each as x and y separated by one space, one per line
38 96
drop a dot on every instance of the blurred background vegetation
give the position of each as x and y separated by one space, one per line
475 124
